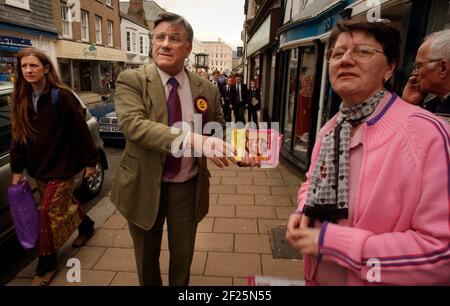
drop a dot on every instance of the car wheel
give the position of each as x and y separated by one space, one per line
92 185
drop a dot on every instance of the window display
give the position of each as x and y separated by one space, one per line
291 90
304 104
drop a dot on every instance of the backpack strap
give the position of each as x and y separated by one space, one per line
54 94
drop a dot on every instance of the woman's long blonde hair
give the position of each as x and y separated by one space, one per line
20 121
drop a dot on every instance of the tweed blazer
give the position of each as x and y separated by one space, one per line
141 107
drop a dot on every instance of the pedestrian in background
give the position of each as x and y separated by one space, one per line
152 185
374 207
254 104
52 142
229 98
431 74
242 98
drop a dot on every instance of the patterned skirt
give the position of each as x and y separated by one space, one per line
60 214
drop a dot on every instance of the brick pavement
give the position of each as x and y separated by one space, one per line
232 242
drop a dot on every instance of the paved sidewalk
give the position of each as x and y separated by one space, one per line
233 241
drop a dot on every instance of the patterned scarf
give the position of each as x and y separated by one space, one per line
327 198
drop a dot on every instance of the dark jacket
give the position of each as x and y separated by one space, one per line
62 145
229 96
256 93
438 105
244 94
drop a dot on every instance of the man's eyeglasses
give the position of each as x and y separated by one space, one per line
359 53
174 40
419 65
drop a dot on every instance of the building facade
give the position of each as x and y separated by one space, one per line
306 99
151 10
197 48
88 50
25 23
220 55
135 41
263 19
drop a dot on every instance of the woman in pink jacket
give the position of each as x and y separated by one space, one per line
375 206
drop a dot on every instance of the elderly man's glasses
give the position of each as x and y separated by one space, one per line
419 65
174 40
359 53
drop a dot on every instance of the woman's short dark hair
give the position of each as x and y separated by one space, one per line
387 36
175 19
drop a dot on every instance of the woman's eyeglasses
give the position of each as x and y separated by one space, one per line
359 53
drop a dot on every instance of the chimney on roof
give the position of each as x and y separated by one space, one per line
136 10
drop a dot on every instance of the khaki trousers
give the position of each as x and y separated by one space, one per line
177 204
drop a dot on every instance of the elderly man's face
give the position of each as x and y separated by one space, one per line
170 47
428 78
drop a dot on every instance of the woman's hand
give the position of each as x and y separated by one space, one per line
305 240
90 171
16 178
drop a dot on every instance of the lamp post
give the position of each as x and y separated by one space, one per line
201 62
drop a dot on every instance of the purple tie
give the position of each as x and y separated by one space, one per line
173 164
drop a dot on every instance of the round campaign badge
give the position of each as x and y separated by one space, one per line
201 104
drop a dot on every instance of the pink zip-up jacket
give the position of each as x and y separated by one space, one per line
401 214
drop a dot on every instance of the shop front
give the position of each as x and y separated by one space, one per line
89 68
308 100
260 58
302 81
15 38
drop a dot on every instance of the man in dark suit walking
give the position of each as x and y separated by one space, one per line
241 99
254 104
229 98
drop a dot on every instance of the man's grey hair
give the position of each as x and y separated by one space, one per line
440 45
175 19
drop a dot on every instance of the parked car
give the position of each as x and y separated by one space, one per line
87 187
107 120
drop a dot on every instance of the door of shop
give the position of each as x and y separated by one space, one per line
85 76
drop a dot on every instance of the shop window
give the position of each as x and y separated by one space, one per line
304 104
65 72
106 79
291 93
7 63
76 77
